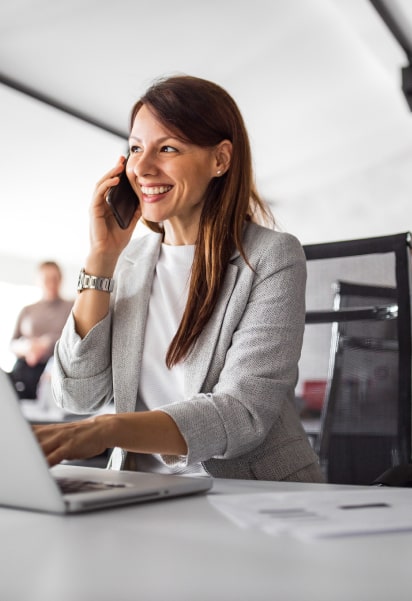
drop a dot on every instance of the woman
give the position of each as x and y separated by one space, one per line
199 341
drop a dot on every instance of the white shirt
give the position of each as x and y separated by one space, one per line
158 384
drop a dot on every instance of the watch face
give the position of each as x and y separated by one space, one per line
80 280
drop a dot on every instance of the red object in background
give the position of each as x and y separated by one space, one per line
313 394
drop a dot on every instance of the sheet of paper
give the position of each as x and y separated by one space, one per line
321 513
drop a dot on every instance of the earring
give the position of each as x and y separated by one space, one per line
218 172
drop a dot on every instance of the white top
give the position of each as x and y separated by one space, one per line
159 385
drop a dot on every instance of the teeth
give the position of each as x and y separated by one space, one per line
152 190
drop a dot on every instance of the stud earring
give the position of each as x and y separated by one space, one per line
218 172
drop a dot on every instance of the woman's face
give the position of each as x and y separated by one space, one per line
169 176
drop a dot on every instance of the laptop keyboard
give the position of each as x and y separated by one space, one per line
71 485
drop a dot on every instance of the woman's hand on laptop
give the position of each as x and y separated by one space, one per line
73 440
141 432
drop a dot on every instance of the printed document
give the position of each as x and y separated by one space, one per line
320 513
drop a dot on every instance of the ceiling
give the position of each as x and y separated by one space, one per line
318 83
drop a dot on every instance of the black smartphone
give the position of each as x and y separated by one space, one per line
122 200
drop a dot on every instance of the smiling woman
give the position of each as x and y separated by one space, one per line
171 176
199 341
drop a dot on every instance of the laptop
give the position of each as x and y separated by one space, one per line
27 482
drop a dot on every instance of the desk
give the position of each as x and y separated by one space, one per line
185 550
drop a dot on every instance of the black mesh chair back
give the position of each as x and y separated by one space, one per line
366 415
362 398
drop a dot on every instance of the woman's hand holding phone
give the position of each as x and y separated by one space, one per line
107 238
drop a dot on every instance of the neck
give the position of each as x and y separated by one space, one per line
50 297
178 234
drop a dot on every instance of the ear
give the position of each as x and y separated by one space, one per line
223 156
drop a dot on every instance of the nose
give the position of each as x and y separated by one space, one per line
144 163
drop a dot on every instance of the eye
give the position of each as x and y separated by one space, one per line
134 149
168 149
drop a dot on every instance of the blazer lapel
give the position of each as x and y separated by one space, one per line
198 362
129 319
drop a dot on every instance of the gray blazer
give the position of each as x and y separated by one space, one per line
238 417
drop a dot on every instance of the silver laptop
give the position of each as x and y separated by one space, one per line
26 481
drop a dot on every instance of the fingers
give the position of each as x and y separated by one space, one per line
111 178
53 440
115 171
107 239
74 440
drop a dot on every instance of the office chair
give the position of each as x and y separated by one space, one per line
366 415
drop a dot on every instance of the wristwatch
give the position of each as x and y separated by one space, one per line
94 282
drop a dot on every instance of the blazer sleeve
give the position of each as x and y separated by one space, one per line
88 370
82 371
259 372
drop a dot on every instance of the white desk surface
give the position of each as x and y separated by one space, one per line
185 550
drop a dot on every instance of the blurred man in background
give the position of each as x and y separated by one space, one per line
37 330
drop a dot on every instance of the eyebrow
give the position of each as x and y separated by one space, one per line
159 141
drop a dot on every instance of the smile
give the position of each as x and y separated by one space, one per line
153 190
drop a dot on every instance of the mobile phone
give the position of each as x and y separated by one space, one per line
122 200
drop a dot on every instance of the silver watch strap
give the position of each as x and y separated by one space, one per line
94 282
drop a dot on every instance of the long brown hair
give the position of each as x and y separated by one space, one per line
202 113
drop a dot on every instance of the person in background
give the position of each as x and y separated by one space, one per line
196 327
37 330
